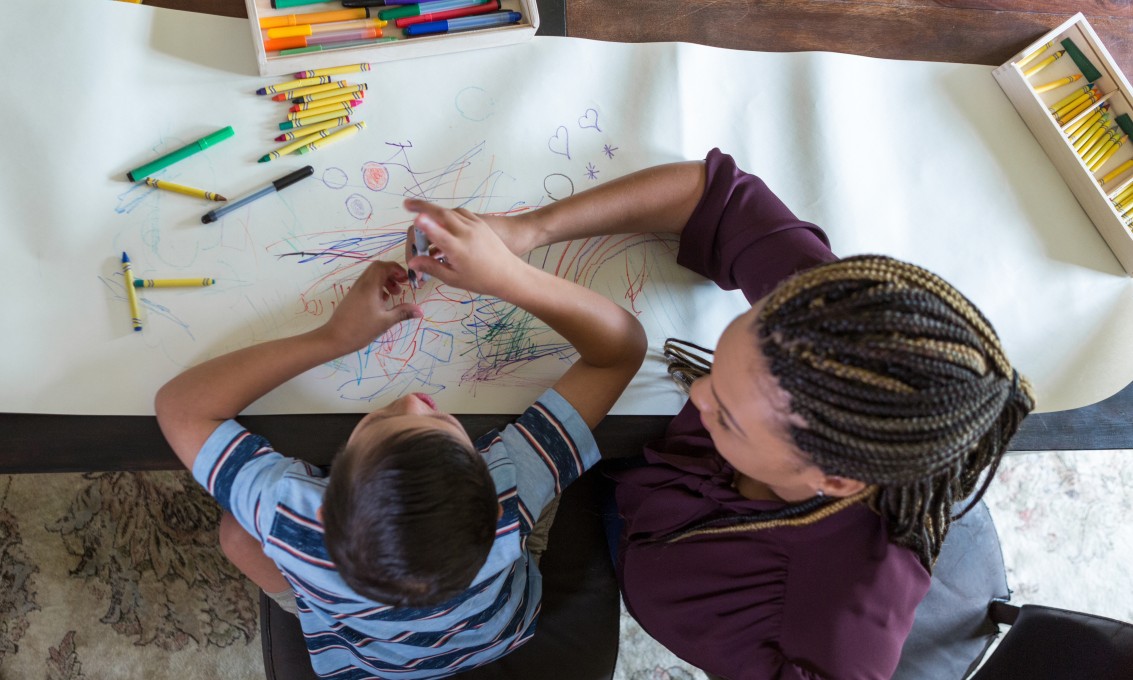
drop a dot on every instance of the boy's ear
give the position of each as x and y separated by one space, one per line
319 514
498 517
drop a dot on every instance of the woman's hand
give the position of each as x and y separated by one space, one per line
465 251
367 312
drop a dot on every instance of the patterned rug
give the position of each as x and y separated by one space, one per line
118 575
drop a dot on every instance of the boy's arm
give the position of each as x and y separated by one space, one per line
610 341
655 200
191 406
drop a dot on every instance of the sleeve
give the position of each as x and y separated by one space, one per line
742 236
550 446
242 472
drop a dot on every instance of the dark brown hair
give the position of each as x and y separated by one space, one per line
411 521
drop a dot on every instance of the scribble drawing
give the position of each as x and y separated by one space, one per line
504 338
558 186
589 120
475 104
591 171
436 344
559 143
375 176
359 207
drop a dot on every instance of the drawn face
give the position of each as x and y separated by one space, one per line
412 412
748 416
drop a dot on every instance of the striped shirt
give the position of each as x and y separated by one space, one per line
275 498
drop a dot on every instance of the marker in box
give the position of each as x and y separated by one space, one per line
464 23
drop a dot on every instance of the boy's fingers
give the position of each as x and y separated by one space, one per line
406 311
431 266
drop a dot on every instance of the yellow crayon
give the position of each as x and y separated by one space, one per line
334 71
294 146
1030 56
172 283
329 139
1047 87
313 89
302 122
1101 146
1099 105
293 84
328 95
1108 153
1043 64
182 189
1113 174
341 108
1070 97
1125 198
131 296
315 29
1096 130
1089 94
308 130
346 97
1074 109
1121 189
1084 126
1098 141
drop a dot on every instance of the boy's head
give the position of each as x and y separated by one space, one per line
410 510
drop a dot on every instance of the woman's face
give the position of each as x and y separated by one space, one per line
748 416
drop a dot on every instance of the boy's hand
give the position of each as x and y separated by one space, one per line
466 252
366 312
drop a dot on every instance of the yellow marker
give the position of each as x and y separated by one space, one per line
1030 56
341 108
329 139
346 97
1113 174
1101 146
131 296
1043 64
173 283
1108 153
182 189
1047 87
313 89
315 29
336 70
308 130
293 84
318 96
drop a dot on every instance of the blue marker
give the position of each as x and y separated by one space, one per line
463 23
281 183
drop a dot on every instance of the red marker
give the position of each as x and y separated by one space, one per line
490 6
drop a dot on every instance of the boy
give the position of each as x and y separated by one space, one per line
411 560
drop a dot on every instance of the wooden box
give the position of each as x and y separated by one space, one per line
1033 107
273 64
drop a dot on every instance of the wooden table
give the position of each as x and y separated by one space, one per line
978 31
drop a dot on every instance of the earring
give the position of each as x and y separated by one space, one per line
820 493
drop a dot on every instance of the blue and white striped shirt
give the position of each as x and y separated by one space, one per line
275 498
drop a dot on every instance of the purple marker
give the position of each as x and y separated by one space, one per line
502 18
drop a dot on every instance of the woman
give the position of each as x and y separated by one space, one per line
787 524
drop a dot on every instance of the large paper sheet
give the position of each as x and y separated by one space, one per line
923 161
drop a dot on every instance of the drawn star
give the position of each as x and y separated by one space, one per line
609 150
591 171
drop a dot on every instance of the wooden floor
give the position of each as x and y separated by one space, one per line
966 31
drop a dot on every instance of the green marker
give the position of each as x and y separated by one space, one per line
140 173
280 4
333 46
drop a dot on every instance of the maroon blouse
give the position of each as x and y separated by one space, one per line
832 599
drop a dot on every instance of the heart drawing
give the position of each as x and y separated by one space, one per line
560 142
589 120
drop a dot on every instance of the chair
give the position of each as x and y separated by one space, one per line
577 635
1056 644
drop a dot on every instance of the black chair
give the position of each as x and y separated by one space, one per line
577 635
1055 644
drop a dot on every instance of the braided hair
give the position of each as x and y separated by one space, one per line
903 385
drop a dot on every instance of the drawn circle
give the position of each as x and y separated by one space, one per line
475 104
558 186
359 207
375 176
335 178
